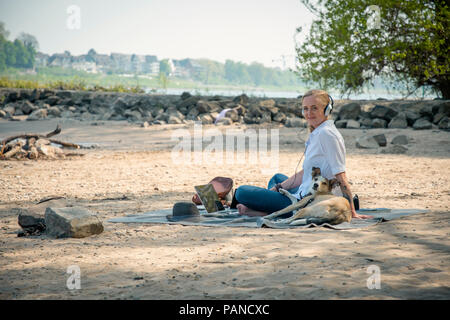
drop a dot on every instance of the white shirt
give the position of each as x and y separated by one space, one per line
325 149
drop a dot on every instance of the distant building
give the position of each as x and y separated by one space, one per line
119 63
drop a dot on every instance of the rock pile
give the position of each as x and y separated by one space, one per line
149 109
402 114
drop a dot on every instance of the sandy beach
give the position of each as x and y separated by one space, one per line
132 171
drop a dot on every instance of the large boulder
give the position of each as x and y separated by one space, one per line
444 124
54 111
242 99
296 123
350 111
400 139
383 112
280 117
378 123
38 115
380 139
398 122
411 117
27 107
422 124
353 124
73 222
340 123
366 142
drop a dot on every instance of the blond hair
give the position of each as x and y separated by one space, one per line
321 95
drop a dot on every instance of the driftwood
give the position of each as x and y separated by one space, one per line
36 145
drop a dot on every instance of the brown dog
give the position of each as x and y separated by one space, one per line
321 205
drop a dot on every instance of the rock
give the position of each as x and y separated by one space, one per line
254 110
185 95
233 115
398 122
366 142
350 111
207 106
422 124
400 139
10 108
145 124
159 122
249 119
52 100
395 149
296 123
224 121
411 117
87 116
72 109
380 139
54 111
241 110
383 112
119 105
266 117
174 120
438 117
188 103
365 122
268 105
242 99
27 107
426 111
18 112
37 115
444 124
74 222
66 114
340 123
206 118
353 124
443 107
31 223
2 114
378 123
280 117
133 115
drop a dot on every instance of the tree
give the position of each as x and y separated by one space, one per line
3 31
353 42
164 67
29 40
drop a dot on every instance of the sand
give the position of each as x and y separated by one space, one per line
132 171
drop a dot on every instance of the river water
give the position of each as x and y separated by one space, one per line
284 94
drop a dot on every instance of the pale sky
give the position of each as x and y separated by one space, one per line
240 30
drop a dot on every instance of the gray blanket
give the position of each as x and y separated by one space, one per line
231 218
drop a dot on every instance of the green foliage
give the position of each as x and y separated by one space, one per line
17 54
347 48
75 84
164 67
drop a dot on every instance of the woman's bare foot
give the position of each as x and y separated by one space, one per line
243 210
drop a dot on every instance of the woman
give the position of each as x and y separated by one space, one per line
325 149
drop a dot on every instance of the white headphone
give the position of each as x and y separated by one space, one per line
327 109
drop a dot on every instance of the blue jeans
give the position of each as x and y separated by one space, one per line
264 200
